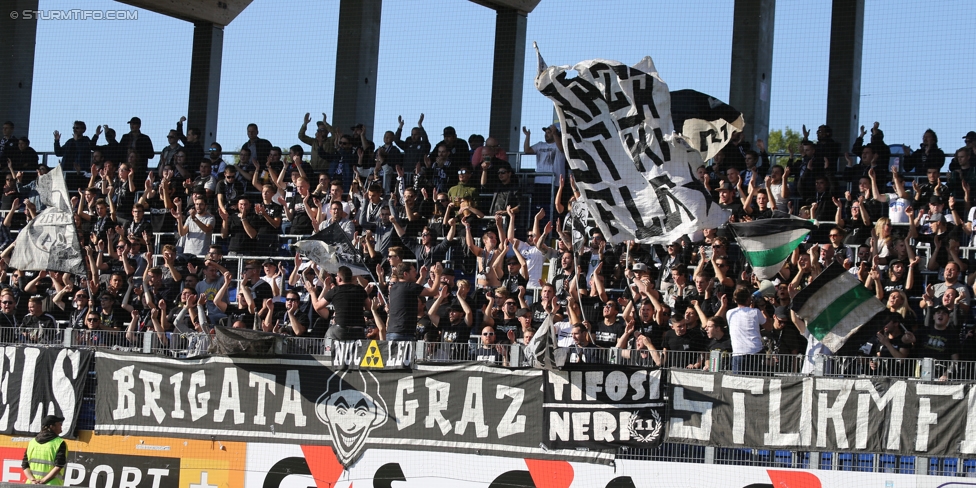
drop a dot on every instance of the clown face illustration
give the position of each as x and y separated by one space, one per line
350 412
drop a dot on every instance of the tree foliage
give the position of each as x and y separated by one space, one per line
781 140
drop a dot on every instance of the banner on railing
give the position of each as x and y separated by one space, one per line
372 354
878 414
39 381
604 408
456 408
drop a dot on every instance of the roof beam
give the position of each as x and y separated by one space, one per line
521 6
220 12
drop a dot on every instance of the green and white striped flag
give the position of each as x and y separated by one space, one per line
835 305
768 243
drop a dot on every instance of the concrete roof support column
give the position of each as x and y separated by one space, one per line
844 78
357 60
205 63
17 36
507 77
752 64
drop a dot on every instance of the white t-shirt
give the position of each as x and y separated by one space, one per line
196 241
564 333
545 160
744 324
534 260
896 208
776 191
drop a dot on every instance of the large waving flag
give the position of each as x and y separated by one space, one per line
768 243
635 174
835 305
50 241
707 122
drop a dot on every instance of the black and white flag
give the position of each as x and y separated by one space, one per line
50 241
706 122
331 248
636 175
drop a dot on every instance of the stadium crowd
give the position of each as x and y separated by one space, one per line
461 248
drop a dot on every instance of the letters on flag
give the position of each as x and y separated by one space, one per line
707 122
49 241
635 174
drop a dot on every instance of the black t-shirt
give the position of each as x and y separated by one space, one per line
687 342
231 192
607 335
423 325
785 341
722 345
503 326
488 354
403 307
261 291
650 329
455 332
300 221
512 282
539 314
239 241
262 225
347 301
936 344
159 216
281 318
123 198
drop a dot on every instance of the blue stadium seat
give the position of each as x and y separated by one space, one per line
969 468
906 464
865 462
887 463
844 461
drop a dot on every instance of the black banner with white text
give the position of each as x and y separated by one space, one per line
878 414
39 381
456 408
604 408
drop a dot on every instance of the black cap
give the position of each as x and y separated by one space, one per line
448 272
449 131
970 135
726 186
940 308
456 307
936 200
135 120
357 126
268 262
522 312
51 420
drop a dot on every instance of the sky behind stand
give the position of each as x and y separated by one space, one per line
436 57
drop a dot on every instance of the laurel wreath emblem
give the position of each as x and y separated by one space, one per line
655 432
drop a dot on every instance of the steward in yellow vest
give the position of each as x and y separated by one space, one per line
47 454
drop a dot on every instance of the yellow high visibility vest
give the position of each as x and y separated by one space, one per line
41 459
